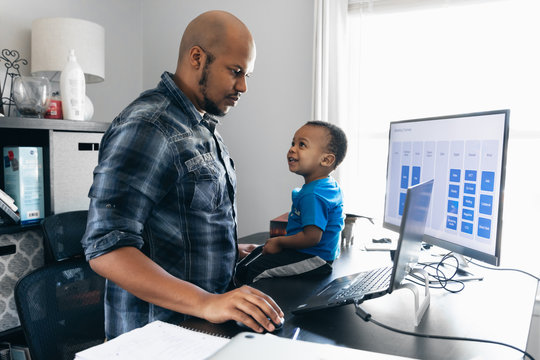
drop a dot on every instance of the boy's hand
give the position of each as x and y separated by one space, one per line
272 246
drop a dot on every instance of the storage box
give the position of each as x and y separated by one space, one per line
23 181
278 226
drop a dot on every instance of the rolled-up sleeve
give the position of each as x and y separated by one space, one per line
133 174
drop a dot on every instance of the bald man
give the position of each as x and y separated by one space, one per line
162 217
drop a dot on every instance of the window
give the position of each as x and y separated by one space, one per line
417 58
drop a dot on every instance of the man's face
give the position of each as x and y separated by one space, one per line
224 79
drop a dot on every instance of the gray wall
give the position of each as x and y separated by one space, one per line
142 38
123 43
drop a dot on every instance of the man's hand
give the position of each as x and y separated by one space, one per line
245 249
247 305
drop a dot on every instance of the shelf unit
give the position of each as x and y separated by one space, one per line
51 135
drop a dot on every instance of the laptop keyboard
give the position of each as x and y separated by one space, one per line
366 282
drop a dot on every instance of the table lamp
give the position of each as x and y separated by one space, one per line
52 38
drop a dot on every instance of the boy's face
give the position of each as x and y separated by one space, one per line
307 154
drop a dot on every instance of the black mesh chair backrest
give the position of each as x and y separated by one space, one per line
60 307
63 233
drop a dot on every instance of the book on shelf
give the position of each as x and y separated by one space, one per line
23 181
8 200
7 214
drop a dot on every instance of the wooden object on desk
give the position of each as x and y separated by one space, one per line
278 226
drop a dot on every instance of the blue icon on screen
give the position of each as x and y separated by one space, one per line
469 188
468 201
402 197
466 227
486 204
453 206
484 227
488 179
453 191
415 175
470 175
451 222
455 175
467 214
404 177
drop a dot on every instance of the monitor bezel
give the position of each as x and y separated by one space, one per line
493 259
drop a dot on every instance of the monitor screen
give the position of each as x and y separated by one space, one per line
466 156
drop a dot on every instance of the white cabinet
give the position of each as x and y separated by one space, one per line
73 157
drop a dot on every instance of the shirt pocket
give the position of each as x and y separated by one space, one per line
209 182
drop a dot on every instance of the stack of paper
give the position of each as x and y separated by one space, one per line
157 340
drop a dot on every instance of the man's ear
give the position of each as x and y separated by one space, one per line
196 57
328 160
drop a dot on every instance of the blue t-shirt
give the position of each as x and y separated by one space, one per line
318 203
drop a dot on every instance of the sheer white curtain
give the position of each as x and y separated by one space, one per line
330 64
417 58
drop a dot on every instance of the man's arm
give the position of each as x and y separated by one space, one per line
310 236
133 271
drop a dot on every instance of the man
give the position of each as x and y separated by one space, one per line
165 176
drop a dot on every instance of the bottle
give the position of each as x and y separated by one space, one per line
54 111
72 89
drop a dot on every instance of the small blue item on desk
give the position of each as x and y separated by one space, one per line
276 326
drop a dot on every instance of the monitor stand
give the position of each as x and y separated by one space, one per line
420 305
464 272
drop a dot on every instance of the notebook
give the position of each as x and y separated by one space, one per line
380 281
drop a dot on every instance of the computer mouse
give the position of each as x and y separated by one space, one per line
382 241
277 326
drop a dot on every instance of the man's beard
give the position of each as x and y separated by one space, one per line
208 105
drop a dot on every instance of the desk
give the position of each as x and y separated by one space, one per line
482 310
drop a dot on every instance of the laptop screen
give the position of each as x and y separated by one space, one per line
411 232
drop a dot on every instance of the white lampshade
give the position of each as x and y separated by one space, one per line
52 38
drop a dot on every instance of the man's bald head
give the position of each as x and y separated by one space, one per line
217 54
213 31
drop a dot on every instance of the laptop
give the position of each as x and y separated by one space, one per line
380 281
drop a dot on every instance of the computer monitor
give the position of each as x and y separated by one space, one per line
466 156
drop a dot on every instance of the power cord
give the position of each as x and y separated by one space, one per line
444 280
503 269
367 317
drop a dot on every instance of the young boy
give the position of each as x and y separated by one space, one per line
316 217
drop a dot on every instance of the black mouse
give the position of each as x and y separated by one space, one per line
277 326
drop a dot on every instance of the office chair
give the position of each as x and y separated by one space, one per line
62 235
60 305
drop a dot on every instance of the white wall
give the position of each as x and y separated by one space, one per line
123 43
259 131
142 38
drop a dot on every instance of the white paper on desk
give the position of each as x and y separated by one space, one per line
157 340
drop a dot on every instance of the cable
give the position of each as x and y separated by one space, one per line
441 277
367 317
504 269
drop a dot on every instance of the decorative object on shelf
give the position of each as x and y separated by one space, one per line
73 89
12 63
53 38
31 95
54 111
